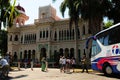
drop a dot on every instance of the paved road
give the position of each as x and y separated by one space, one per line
54 74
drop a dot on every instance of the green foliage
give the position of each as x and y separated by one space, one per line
107 24
73 11
114 12
7 13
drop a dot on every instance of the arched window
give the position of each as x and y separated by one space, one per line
47 34
55 36
35 36
59 35
21 39
43 34
65 34
40 34
78 33
16 38
11 38
73 34
68 35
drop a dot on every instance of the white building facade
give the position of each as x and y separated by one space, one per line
49 37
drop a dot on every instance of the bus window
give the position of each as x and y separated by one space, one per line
95 48
114 36
106 40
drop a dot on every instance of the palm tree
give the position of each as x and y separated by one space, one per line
74 17
91 10
7 13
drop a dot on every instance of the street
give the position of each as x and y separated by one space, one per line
54 74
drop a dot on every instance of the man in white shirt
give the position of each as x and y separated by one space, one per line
64 64
5 66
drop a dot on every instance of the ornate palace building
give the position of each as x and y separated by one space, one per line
49 37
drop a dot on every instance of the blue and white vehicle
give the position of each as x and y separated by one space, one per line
105 54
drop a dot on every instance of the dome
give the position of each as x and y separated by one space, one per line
20 9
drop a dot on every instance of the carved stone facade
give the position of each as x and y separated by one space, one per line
49 37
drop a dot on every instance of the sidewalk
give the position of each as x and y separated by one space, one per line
37 74
54 74
75 70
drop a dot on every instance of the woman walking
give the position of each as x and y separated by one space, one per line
43 67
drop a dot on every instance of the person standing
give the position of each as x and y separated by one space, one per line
19 61
84 64
43 67
46 63
7 57
60 63
73 63
64 64
25 62
68 65
5 67
31 62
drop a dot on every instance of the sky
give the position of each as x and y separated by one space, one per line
31 8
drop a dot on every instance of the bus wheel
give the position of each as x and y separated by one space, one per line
107 69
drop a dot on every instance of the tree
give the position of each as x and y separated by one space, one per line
91 10
114 12
107 24
74 17
94 11
7 13
3 41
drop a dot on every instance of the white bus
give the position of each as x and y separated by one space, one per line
105 54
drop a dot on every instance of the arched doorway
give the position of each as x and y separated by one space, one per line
33 54
21 55
61 52
15 56
71 52
29 54
79 55
25 54
66 52
56 56
43 53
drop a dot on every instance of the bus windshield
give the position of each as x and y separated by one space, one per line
110 37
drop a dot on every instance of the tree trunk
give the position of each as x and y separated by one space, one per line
76 41
95 25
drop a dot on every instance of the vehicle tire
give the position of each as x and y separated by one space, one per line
107 69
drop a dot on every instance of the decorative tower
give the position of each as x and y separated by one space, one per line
22 17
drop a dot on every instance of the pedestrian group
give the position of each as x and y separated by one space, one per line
66 64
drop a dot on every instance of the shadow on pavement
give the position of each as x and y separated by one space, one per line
16 70
20 76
